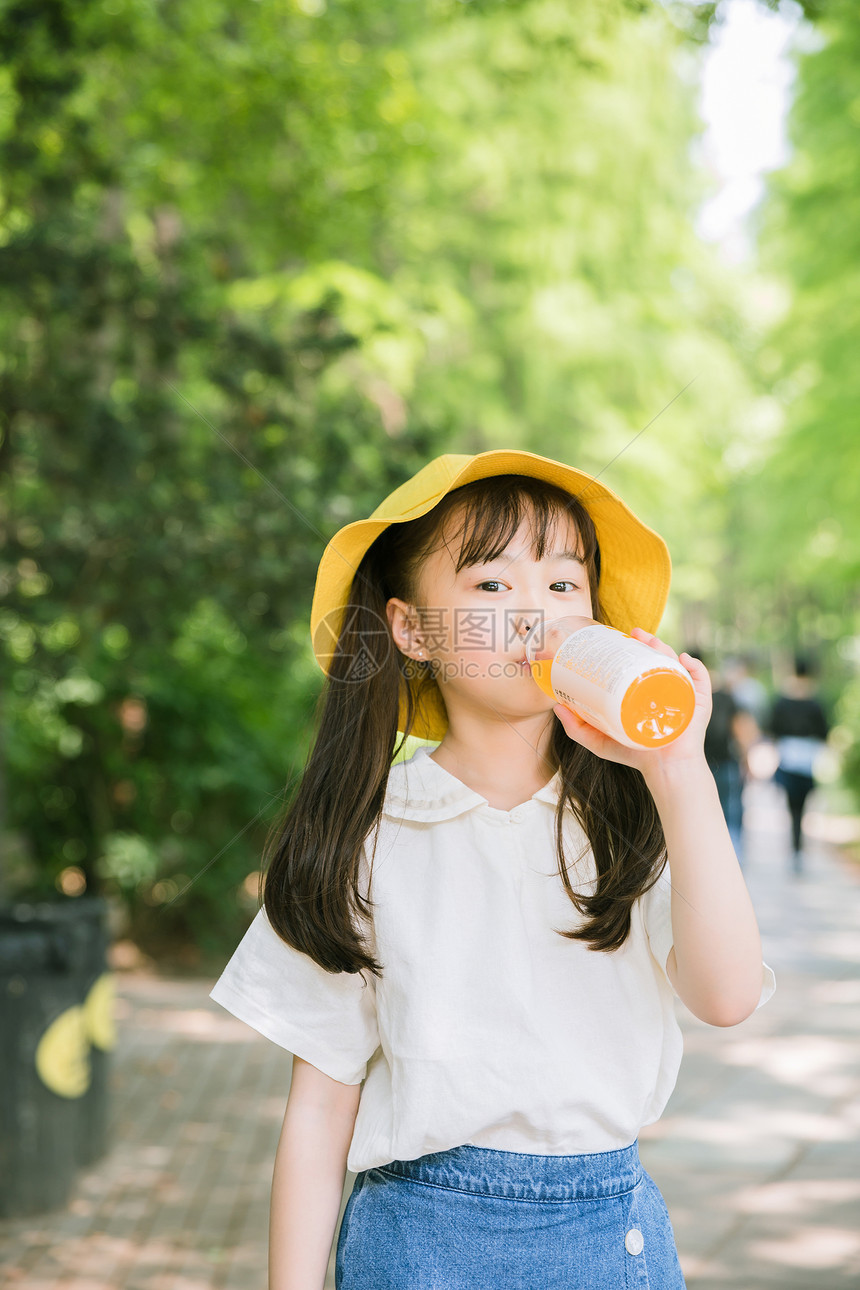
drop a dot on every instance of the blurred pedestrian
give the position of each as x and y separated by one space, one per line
748 692
731 732
799 725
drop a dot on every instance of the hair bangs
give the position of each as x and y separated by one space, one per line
490 519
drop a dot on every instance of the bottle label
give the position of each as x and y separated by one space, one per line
598 658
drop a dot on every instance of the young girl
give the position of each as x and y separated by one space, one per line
473 953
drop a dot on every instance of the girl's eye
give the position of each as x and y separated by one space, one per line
496 583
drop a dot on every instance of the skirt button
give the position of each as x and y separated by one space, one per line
634 1241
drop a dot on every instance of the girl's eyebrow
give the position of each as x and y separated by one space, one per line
566 555
555 555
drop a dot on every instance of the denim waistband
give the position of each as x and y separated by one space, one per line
518 1175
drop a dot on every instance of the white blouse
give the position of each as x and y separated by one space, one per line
487 1028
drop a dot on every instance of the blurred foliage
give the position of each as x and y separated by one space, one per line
169 445
809 248
256 267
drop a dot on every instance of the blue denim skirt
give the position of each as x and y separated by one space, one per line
477 1219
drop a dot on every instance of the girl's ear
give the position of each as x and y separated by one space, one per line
404 628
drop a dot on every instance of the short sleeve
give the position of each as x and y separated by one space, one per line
657 916
326 1018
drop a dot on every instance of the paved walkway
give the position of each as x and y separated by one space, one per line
757 1154
758 1151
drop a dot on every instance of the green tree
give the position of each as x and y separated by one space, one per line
255 269
801 549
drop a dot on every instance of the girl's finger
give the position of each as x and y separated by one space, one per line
694 665
638 633
699 674
583 733
574 725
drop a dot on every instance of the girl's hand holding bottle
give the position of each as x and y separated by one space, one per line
688 748
617 699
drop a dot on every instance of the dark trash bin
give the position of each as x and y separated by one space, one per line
97 994
54 1000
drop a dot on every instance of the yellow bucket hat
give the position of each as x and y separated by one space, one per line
635 568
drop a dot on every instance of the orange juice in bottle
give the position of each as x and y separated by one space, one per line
641 698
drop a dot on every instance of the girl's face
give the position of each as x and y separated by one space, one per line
471 624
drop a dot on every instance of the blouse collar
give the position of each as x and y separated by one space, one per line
421 789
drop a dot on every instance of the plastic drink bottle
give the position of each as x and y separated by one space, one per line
641 698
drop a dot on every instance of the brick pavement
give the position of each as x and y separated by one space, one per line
181 1200
757 1154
